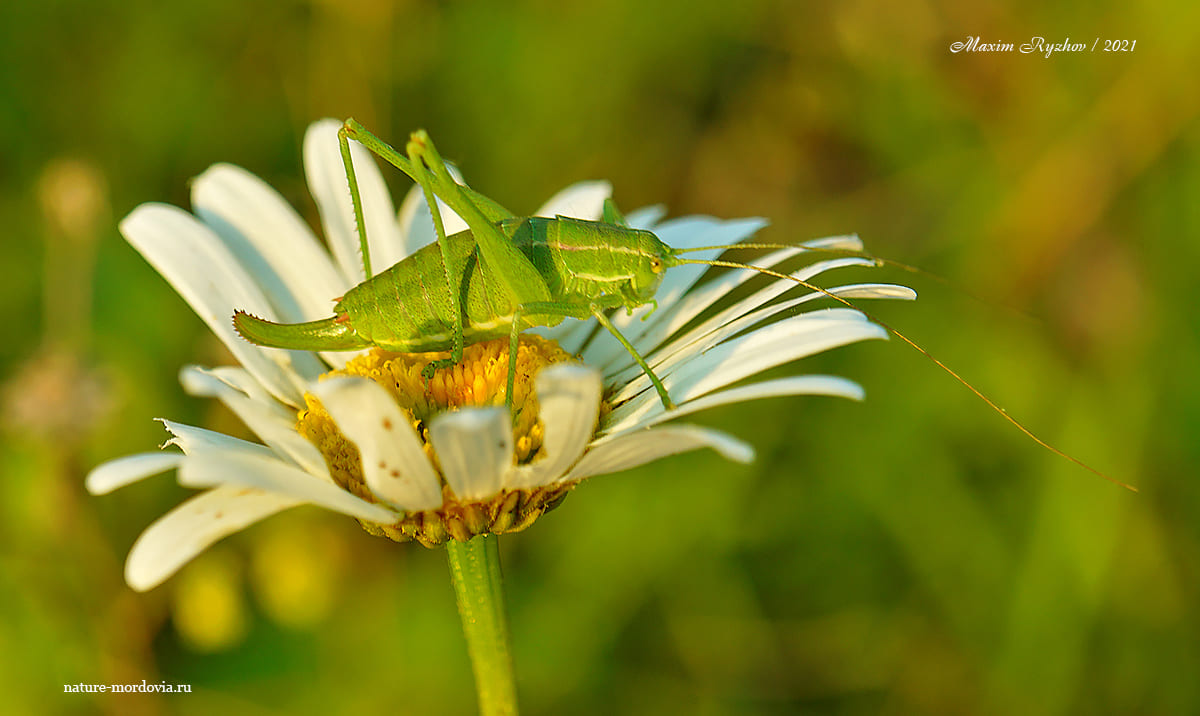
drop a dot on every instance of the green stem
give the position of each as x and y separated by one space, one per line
475 572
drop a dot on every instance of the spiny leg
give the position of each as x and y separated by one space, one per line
637 357
356 199
424 180
514 276
458 193
414 166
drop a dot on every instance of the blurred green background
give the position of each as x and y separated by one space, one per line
911 554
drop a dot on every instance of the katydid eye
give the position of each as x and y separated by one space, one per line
656 265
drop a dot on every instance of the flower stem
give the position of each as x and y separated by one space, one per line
475 572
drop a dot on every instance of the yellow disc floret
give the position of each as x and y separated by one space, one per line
478 380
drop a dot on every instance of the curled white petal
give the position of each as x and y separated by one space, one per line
844 242
569 401
394 464
178 536
631 449
269 421
193 440
475 449
123 471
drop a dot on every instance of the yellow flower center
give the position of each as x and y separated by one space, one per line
478 380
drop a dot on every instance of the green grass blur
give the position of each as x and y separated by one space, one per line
911 554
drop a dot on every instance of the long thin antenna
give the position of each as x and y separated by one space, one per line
1017 424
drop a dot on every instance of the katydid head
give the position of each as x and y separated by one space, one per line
653 259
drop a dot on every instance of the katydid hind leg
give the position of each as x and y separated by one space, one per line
424 180
514 274
511 271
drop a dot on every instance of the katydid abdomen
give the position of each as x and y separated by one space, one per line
408 307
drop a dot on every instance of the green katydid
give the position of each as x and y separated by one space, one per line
503 275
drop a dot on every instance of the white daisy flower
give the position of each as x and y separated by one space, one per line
364 435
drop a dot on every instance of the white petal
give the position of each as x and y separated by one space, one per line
889 291
636 448
569 400
584 200
273 475
237 378
394 465
651 412
194 441
693 303
127 470
274 244
327 180
270 240
768 347
646 217
204 272
190 528
275 425
475 449
845 242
